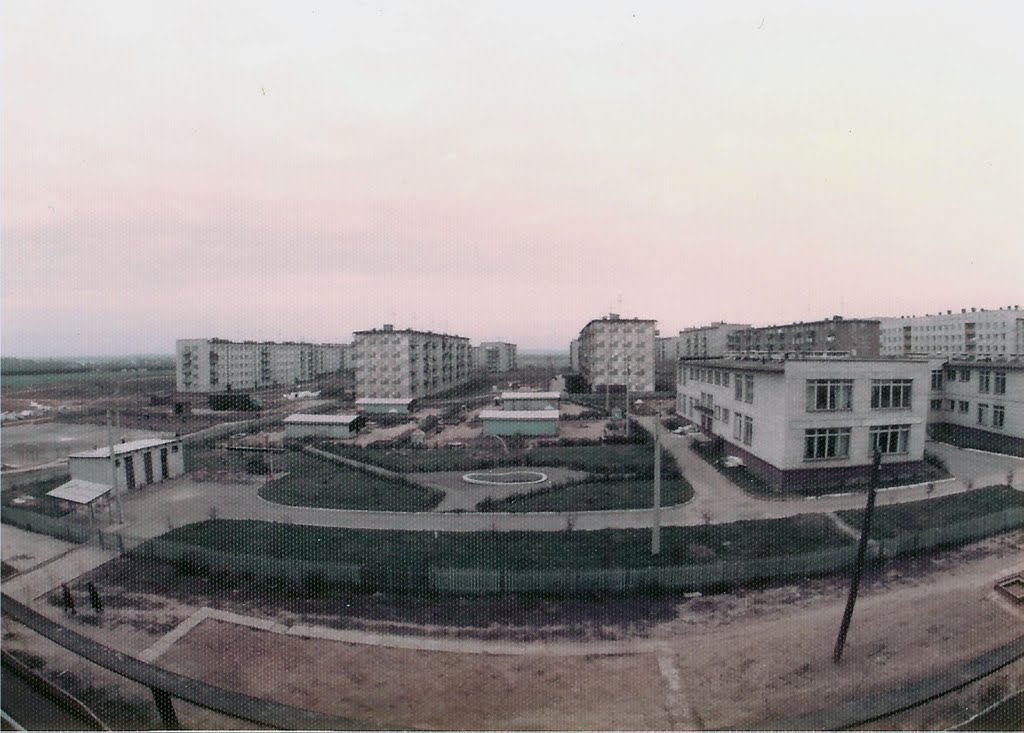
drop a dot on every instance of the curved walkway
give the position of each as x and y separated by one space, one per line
154 510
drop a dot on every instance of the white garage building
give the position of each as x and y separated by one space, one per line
322 426
136 463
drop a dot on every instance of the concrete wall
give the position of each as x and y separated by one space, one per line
98 469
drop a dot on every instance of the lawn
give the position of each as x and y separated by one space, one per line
42 504
417 460
592 496
317 482
888 521
516 550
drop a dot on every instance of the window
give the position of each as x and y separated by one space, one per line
829 394
890 393
725 379
718 377
888 439
998 416
951 375
718 412
984 381
965 406
950 405
748 430
725 416
1000 383
739 387
965 375
748 395
982 414
822 443
936 404
936 380
737 427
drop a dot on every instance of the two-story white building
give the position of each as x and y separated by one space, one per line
802 423
978 403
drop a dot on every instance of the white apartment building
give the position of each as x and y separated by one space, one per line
666 348
971 332
495 356
614 352
707 341
979 403
218 365
802 423
407 364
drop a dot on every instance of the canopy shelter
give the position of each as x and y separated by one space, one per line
81 492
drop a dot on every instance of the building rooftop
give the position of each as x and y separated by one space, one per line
306 419
384 401
531 395
386 329
79 491
129 447
519 414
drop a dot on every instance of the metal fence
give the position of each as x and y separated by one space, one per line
308 575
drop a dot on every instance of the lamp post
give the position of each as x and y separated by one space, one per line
628 373
656 526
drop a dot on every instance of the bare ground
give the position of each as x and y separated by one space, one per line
720 661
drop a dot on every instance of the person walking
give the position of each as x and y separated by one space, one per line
69 600
94 598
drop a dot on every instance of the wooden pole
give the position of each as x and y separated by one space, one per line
858 567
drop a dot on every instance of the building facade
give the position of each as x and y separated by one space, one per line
615 352
218 365
303 425
136 463
666 349
802 423
855 337
707 341
401 364
495 356
971 332
979 403
530 400
519 422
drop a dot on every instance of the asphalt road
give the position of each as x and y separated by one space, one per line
32 709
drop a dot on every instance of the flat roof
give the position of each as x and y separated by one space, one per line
384 401
1013 363
519 414
129 447
79 491
300 418
779 365
411 331
531 395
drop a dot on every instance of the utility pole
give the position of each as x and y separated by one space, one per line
628 373
858 567
656 528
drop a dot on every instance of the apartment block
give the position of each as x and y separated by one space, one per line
979 402
615 352
666 349
219 365
708 341
407 364
806 422
853 337
971 332
495 356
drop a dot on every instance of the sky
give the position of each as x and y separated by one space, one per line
499 170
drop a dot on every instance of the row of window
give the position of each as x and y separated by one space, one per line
831 443
829 395
743 429
987 380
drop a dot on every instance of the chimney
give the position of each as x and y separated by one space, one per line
389 327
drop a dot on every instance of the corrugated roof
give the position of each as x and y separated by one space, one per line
320 419
79 491
519 414
531 395
129 447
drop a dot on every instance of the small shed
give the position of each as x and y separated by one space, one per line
530 400
520 422
379 405
322 426
79 492
136 462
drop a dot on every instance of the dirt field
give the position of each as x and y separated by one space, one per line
715 661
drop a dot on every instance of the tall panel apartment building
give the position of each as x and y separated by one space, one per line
495 356
407 364
707 341
971 332
854 337
615 351
219 365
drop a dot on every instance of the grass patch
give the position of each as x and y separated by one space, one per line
39 502
316 482
591 496
516 550
914 516
419 460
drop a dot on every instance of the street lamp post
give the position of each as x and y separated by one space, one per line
628 373
656 527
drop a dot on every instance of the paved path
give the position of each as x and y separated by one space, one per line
153 510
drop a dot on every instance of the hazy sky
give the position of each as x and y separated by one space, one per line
503 170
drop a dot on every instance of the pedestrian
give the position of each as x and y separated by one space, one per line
69 601
94 598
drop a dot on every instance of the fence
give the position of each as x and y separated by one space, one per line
269 565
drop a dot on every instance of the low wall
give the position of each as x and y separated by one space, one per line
13 479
